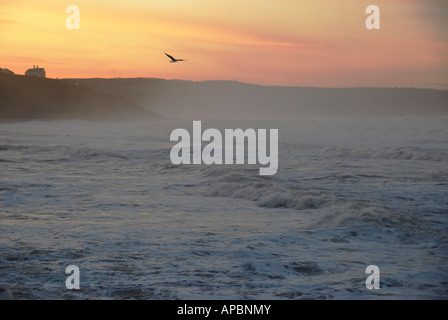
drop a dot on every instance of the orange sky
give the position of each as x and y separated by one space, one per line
288 42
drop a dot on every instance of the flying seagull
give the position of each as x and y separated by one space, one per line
174 59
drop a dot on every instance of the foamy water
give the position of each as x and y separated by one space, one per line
349 192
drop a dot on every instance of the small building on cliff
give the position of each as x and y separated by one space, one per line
35 72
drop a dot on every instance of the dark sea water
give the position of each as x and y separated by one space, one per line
349 192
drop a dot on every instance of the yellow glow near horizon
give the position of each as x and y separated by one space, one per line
292 42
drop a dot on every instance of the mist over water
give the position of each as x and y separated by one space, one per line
349 192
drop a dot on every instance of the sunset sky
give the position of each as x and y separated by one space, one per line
289 42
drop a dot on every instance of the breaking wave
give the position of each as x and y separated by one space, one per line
320 209
266 192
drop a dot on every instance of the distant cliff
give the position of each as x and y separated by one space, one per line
230 99
30 98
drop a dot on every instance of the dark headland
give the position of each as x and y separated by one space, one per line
24 98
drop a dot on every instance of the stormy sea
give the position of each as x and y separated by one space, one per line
350 192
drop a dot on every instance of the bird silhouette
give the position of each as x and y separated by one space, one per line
173 59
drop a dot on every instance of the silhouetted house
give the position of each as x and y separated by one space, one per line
7 71
35 72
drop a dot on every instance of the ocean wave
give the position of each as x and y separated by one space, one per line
321 209
63 152
387 153
269 193
26 148
85 153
